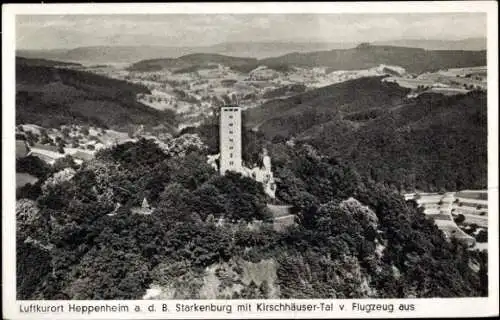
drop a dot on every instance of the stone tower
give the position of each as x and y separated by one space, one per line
230 139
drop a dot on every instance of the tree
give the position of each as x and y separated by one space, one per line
31 138
482 236
63 163
85 130
304 201
66 132
251 291
174 203
244 198
208 201
109 274
34 166
459 219
45 139
29 191
264 290
33 268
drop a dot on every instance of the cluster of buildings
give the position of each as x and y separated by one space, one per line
445 209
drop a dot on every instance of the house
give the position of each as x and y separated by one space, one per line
145 208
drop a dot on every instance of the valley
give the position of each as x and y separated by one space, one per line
114 186
193 85
194 94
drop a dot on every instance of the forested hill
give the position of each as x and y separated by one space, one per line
433 142
368 56
190 60
364 56
79 237
50 96
43 62
322 104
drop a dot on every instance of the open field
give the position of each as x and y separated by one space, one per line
445 208
447 82
473 194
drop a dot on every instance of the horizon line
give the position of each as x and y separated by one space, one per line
250 42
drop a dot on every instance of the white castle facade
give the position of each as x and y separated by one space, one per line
230 152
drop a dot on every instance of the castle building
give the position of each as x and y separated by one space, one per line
230 153
263 174
230 139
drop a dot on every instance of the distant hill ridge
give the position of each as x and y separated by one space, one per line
361 57
469 44
367 56
259 50
190 60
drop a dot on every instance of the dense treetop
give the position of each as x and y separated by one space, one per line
353 238
431 143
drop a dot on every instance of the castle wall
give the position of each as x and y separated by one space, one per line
230 156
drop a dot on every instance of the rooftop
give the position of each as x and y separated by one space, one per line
230 106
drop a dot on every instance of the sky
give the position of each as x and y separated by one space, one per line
177 30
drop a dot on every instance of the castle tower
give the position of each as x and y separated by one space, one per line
230 139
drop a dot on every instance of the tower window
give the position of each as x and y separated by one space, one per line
230 131
231 124
230 155
231 163
231 148
231 140
230 117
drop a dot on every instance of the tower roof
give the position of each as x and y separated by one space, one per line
230 106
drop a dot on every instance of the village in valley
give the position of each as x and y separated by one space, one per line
193 93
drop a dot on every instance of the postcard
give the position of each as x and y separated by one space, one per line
249 160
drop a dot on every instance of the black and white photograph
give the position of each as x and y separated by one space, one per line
220 156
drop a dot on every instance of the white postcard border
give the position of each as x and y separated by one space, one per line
460 307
